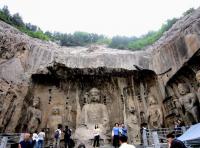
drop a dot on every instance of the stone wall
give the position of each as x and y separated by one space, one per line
43 84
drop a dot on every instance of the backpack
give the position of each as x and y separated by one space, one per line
68 133
56 134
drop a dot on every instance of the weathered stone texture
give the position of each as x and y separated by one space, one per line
137 88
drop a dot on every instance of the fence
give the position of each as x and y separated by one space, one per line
8 139
157 137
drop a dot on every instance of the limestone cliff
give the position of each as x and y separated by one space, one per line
138 88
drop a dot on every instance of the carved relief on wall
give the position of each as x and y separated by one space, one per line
34 115
54 119
198 82
189 102
133 126
169 105
154 113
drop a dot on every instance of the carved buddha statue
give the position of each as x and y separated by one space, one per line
34 115
154 113
94 112
198 80
133 126
189 101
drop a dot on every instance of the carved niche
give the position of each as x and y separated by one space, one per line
34 115
189 102
94 112
154 113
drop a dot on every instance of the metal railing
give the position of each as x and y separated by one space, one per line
8 139
157 137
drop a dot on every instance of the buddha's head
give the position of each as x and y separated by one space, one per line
152 100
183 88
94 95
36 102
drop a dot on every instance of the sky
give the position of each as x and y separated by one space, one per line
108 17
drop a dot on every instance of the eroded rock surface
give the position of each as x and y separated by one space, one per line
137 88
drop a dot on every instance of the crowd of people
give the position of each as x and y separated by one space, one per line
68 142
35 140
119 138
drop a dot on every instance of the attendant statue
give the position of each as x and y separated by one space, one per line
154 113
55 119
198 80
133 126
189 101
34 115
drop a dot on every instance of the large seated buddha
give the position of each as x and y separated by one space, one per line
92 113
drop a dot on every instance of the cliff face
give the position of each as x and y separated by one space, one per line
43 82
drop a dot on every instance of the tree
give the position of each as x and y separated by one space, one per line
6 11
31 27
121 42
189 11
17 20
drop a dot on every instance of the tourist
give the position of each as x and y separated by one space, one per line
57 136
96 136
123 130
25 143
120 129
41 137
174 143
67 135
115 135
35 139
123 142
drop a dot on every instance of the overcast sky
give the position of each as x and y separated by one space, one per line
108 17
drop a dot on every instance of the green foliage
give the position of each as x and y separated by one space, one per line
5 15
83 38
121 42
189 11
134 43
17 21
78 38
104 41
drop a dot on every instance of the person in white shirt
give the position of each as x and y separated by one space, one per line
35 139
41 137
57 137
96 136
123 142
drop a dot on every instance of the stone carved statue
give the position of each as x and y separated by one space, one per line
133 126
93 112
198 80
55 119
34 115
189 101
154 113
